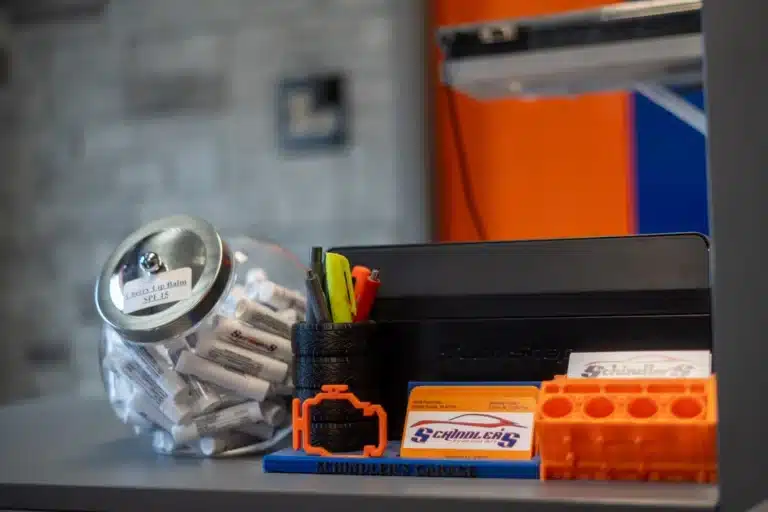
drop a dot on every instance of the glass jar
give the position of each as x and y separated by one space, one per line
195 350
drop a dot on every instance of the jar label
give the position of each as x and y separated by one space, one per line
158 289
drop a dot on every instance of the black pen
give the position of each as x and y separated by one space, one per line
316 298
317 265
309 316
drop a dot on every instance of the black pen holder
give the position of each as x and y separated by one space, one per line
347 354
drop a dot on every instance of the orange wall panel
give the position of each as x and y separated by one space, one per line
538 169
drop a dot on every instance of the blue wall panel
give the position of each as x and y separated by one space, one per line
670 170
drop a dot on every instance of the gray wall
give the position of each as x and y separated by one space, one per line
166 106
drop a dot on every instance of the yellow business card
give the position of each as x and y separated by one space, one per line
470 422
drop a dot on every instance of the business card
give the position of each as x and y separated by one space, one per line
470 422
666 364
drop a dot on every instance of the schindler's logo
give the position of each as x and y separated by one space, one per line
468 429
646 365
239 336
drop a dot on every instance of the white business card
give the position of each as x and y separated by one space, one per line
454 430
664 364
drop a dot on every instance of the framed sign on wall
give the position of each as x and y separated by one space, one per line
312 113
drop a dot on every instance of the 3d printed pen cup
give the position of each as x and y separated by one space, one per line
344 353
180 364
612 429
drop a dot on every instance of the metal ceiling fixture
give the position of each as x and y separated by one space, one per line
651 46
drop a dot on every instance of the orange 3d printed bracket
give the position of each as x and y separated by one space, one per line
302 419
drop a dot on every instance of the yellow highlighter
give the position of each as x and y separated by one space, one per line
341 292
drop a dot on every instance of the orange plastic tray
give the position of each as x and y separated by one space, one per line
653 429
630 472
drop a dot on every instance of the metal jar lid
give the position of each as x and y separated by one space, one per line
164 279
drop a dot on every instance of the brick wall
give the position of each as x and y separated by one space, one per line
166 106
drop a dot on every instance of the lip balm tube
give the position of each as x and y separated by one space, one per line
284 389
262 317
115 353
230 418
251 338
153 361
139 424
214 445
114 342
144 407
292 315
229 304
256 274
163 443
132 370
260 430
228 398
276 296
239 359
120 388
136 420
130 417
204 397
140 431
239 382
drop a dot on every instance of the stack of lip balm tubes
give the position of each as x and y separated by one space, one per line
223 389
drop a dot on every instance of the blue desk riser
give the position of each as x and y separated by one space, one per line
391 464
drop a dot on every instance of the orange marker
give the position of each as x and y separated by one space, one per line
360 275
366 286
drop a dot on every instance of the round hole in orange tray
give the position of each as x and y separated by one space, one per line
686 408
599 407
642 408
557 407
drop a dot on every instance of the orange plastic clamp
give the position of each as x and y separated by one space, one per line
302 418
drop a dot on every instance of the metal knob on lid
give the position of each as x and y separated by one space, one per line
164 279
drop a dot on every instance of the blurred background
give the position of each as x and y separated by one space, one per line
302 122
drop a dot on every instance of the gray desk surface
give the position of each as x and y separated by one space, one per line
72 455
